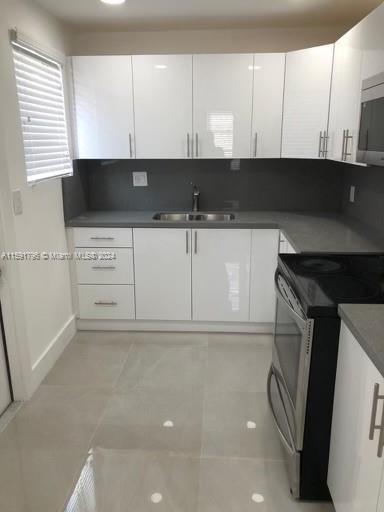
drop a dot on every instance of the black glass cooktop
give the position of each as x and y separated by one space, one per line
323 282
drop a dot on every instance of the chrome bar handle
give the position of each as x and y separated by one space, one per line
380 446
347 138
188 147
325 144
373 426
100 267
130 146
255 146
343 157
105 303
320 144
197 145
187 242
195 242
102 238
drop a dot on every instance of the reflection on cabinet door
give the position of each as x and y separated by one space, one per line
355 470
306 102
264 252
222 105
104 106
220 274
268 92
345 98
163 105
5 393
162 273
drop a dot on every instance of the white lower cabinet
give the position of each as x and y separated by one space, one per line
210 267
177 274
118 270
220 274
106 302
163 273
264 252
355 467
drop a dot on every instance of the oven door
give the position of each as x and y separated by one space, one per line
275 391
291 356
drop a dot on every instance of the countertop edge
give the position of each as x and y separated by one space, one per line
376 358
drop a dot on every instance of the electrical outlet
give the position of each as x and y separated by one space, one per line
352 192
17 202
140 179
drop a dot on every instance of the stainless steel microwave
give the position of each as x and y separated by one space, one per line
371 132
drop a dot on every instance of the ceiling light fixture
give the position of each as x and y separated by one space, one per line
113 2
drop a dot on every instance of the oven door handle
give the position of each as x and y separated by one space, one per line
301 320
290 445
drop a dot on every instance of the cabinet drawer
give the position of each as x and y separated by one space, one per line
106 302
116 271
102 237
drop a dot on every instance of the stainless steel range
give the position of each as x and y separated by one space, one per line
302 375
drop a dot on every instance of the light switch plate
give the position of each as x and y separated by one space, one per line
352 191
140 179
17 202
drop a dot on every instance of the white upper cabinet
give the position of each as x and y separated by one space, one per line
372 42
355 466
306 102
104 106
268 92
345 98
220 274
222 105
163 105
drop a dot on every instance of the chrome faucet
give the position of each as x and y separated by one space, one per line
195 199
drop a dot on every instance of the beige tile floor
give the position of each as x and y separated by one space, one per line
140 422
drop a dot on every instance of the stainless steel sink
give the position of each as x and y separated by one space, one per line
195 216
175 217
215 217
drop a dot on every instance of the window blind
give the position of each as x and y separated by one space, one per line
40 93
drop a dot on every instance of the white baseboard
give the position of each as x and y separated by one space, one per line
139 325
43 365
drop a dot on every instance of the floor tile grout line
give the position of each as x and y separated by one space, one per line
205 376
123 366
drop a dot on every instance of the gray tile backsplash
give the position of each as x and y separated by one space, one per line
270 184
369 195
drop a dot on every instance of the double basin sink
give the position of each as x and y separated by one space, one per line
194 216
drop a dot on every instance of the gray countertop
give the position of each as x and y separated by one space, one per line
366 322
307 232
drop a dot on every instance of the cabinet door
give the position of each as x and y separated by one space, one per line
220 274
354 474
222 105
371 39
268 89
345 98
104 106
380 503
163 105
306 102
265 243
5 394
162 273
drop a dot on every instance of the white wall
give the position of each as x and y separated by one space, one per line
39 293
85 42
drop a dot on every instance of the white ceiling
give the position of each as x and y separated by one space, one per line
158 14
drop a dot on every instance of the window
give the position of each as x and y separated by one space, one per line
40 93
